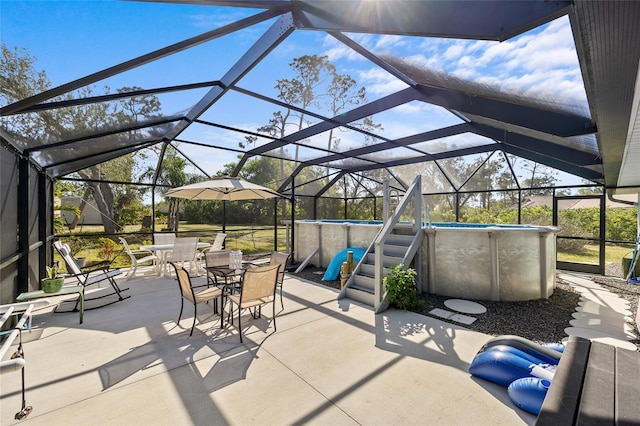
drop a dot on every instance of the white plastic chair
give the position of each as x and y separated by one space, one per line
216 246
147 256
185 249
163 238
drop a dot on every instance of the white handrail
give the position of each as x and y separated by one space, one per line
13 309
414 193
26 316
21 306
6 315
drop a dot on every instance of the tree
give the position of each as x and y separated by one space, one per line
19 79
172 174
316 83
537 177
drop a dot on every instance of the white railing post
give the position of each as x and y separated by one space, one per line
417 199
415 190
385 202
378 285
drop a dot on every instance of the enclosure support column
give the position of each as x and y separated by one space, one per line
385 202
602 234
375 204
293 219
275 224
153 210
23 225
638 215
45 216
519 206
494 233
346 216
315 208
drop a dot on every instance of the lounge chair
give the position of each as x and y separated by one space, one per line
91 274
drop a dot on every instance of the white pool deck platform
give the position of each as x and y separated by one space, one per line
331 362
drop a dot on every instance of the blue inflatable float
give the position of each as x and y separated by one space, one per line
503 367
523 366
528 393
549 355
333 270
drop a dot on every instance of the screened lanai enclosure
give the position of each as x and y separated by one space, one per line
511 112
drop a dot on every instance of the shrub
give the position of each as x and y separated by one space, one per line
109 250
401 288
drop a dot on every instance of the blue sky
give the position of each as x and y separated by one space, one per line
71 39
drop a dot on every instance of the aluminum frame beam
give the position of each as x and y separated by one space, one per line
355 114
114 96
83 163
556 163
279 31
551 122
136 62
574 156
466 19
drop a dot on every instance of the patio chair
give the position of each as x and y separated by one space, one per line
258 288
146 256
164 238
185 249
94 273
219 273
217 245
188 293
280 258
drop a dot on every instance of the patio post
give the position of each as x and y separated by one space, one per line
293 218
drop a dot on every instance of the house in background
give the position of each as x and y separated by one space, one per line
90 213
547 201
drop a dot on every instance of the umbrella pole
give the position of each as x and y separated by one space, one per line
224 216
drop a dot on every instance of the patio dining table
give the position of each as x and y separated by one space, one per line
231 278
162 251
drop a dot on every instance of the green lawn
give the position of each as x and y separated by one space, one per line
613 254
254 239
249 239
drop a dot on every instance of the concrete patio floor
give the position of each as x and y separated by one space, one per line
329 363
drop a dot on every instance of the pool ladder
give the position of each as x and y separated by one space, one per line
396 243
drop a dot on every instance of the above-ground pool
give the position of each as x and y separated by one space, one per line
474 261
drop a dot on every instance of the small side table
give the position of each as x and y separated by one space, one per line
71 289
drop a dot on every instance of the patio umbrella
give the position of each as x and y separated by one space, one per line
224 189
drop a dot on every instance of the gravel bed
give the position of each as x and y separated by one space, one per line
542 320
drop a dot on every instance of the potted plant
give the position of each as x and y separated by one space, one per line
52 283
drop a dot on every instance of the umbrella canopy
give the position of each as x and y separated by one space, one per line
225 189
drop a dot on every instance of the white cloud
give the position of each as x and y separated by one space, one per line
454 51
379 82
390 41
